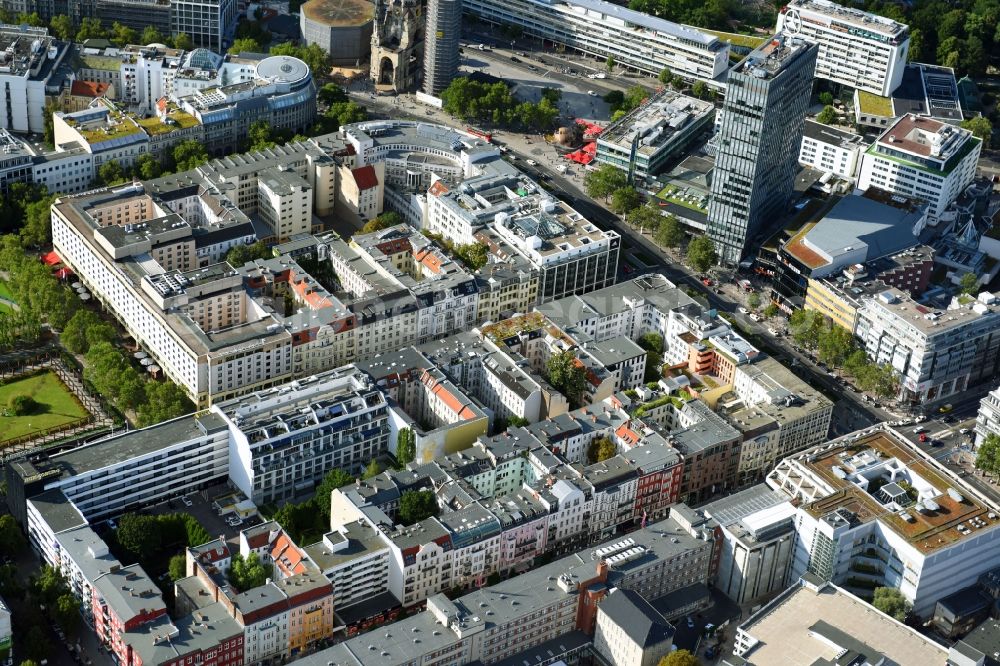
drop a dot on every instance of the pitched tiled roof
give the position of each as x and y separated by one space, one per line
365 177
82 88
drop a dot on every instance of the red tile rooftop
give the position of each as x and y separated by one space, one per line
365 177
95 89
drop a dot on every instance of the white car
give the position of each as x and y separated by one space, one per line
741 310
186 502
963 431
592 93
755 316
532 163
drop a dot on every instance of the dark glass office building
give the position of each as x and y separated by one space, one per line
758 143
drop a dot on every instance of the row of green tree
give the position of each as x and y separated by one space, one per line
154 541
835 346
42 599
611 184
667 231
113 375
988 455
494 105
185 155
49 593
713 14
568 376
64 28
962 34
39 296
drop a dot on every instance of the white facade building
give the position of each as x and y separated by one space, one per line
872 507
139 468
922 158
31 57
831 150
601 29
858 49
288 438
988 418
936 352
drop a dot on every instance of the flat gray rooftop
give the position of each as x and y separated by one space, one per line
136 443
60 513
783 629
737 506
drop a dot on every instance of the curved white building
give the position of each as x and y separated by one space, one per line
602 29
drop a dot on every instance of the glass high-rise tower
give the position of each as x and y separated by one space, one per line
441 57
767 96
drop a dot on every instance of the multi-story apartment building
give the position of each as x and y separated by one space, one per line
210 636
601 29
757 150
356 562
496 623
569 253
871 507
936 352
780 414
647 304
831 150
839 296
495 377
922 158
630 631
122 600
384 263
857 49
31 60
289 437
641 142
137 253
442 418
135 469
69 170
281 619
710 447
216 108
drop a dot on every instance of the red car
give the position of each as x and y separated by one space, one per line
706 282
923 437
